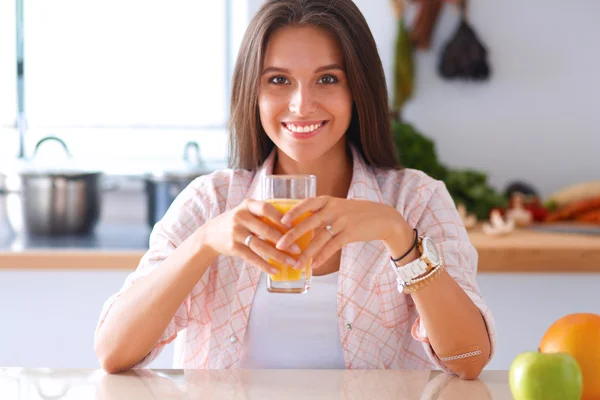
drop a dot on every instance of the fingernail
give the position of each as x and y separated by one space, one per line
280 246
274 271
298 265
295 249
286 223
290 261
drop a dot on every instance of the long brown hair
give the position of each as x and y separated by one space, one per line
370 127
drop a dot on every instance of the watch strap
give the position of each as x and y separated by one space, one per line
411 270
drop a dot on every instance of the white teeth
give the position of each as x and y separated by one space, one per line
305 129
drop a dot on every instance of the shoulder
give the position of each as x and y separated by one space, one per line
207 196
413 192
220 182
406 186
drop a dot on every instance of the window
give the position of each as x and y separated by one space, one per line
8 82
130 79
8 70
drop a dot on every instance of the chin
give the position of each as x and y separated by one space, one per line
302 154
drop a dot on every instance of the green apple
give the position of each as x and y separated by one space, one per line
545 376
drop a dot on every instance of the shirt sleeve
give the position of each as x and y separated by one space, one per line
184 216
441 222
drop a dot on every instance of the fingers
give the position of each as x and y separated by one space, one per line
246 254
257 251
309 224
311 205
332 246
259 227
267 210
316 245
268 252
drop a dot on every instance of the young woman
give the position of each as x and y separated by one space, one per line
309 97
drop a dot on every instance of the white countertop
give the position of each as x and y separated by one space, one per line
43 384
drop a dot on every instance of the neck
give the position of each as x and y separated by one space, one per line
333 171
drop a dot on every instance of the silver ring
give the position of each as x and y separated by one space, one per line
248 239
328 228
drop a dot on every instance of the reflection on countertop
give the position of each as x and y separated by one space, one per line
141 384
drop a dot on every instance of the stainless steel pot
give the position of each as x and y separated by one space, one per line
160 193
164 186
52 202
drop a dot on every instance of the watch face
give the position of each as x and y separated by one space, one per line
431 251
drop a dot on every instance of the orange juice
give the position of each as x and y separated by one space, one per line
287 273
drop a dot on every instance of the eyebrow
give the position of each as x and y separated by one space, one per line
320 69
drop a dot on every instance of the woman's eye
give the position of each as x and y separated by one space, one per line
278 80
328 79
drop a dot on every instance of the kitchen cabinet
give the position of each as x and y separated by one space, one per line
48 317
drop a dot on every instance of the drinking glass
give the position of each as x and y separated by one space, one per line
284 192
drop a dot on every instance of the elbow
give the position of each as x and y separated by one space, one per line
108 361
469 372
110 364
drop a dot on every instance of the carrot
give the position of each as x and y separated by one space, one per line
573 209
592 216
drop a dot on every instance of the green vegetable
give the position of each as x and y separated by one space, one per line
466 186
416 151
403 67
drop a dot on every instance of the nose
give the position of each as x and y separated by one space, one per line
302 102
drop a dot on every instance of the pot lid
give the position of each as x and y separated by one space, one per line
47 164
190 167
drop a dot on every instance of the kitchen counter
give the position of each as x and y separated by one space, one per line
110 246
30 384
120 247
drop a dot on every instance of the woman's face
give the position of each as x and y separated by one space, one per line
304 100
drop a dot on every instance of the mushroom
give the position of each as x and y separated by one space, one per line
497 225
517 212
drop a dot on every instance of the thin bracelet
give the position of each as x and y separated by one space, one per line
426 280
409 250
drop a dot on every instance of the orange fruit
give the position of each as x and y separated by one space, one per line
578 335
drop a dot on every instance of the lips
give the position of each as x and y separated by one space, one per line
305 127
304 130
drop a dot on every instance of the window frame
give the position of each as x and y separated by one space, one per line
232 42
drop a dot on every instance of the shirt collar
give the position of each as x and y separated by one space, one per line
363 185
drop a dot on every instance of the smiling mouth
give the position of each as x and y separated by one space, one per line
303 128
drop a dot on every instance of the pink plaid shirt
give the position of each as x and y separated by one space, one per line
378 326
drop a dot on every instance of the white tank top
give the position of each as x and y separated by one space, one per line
298 331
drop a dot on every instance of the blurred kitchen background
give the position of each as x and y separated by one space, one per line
135 98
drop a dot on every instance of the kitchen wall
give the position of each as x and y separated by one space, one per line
537 119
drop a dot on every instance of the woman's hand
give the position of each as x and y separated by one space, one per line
337 222
228 233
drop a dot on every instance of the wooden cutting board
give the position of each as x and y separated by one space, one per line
535 250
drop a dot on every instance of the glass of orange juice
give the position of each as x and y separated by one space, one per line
284 192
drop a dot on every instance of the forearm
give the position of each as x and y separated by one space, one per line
139 316
453 322
454 325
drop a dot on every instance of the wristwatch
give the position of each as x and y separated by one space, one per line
429 259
